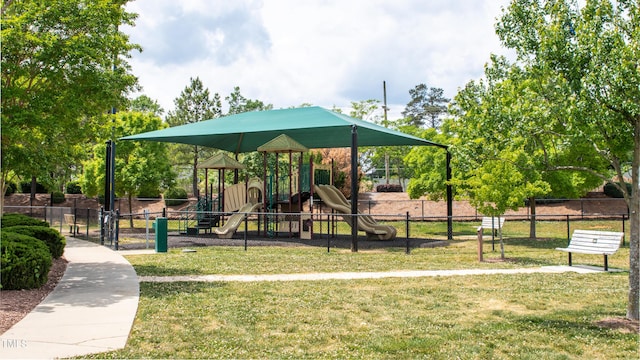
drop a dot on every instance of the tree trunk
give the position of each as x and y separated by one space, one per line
633 307
33 189
501 240
386 168
532 223
195 172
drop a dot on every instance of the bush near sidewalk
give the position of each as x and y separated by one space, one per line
12 219
24 261
51 237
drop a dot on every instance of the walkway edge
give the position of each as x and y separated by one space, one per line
91 310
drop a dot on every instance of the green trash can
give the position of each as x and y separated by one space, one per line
161 234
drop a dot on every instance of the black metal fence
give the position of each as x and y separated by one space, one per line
136 230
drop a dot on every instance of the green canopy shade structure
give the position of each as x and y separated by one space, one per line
315 127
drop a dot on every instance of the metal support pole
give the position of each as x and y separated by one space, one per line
246 229
449 199
117 229
408 250
354 188
101 224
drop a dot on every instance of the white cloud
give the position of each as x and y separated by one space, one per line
324 52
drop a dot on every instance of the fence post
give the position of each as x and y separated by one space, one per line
568 231
117 219
480 244
88 221
623 217
146 226
328 232
246 229
101 224
408 249
75 221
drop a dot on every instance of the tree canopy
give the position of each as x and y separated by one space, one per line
565 115
63 63
427 106
142 168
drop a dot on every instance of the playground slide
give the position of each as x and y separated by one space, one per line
229 228
332 197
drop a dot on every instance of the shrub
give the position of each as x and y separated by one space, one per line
175 196
73 187
11 189
24 262
612 191
57 197
25 188
389 188
149 194
51 237
12 219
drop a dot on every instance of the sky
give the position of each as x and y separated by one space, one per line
327 53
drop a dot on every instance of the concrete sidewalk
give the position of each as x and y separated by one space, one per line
90 311
370 275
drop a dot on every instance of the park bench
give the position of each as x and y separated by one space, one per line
491 223
594 242
70 220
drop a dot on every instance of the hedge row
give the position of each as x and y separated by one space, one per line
389 188
51 237
10 220
27 247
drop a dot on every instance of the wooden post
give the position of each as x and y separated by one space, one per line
480 258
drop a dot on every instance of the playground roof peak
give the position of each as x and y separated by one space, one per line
221 161
282 143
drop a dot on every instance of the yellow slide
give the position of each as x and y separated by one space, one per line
332 197
229 228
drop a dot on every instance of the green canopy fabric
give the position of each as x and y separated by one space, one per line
221 161
282 143
315 127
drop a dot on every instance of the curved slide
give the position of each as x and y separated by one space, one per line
332 197
229 228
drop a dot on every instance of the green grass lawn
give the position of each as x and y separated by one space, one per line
523 316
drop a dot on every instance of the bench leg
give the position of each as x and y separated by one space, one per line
606 263
570 260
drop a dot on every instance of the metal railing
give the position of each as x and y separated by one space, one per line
137 228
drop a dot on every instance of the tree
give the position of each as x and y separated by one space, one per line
426 107
193 105
577 68
145 104
239 104
509 113
141 167
63 62
429 164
